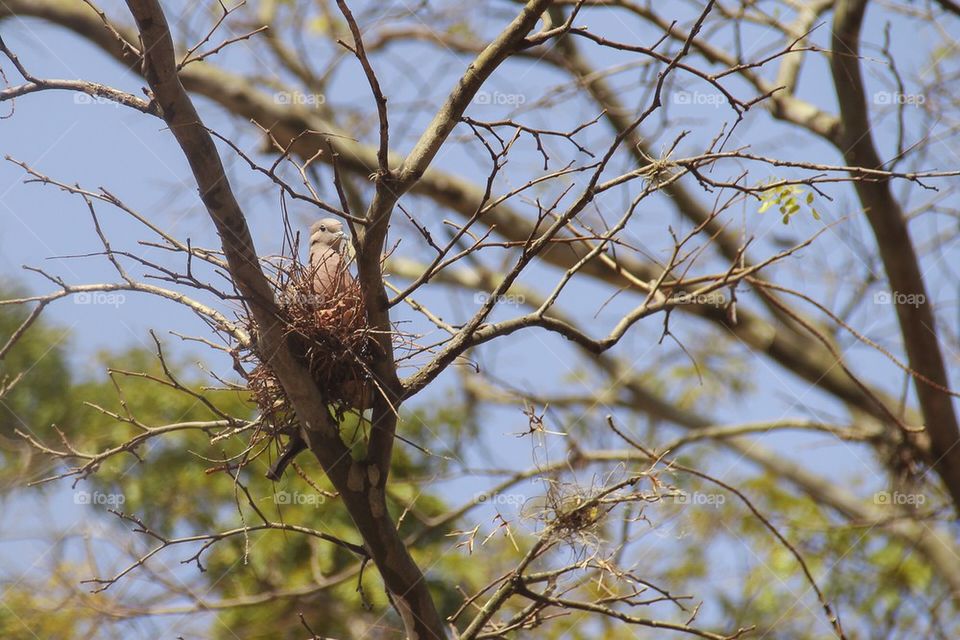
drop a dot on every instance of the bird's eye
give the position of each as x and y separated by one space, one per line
322 228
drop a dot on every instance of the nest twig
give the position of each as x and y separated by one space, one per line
330 333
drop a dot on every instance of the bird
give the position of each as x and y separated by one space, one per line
327 264
331 278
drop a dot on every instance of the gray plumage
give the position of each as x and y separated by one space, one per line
327 259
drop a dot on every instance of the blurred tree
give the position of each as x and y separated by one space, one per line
651 297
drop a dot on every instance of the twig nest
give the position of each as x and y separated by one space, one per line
330 333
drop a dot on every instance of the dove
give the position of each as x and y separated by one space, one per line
331 278
327 258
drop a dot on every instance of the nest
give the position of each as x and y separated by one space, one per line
330 334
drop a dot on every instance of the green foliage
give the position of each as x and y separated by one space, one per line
28 614
788 199
174 485
461 29
37 401
873 580
179 489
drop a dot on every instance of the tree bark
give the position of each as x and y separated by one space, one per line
361 486
914 311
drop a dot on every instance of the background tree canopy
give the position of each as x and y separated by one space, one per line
657 304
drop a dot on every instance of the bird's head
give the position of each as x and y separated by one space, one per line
326 233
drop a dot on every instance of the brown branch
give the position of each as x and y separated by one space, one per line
779 343
362 492
389 188
901 264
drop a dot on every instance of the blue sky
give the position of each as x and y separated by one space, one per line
100 144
